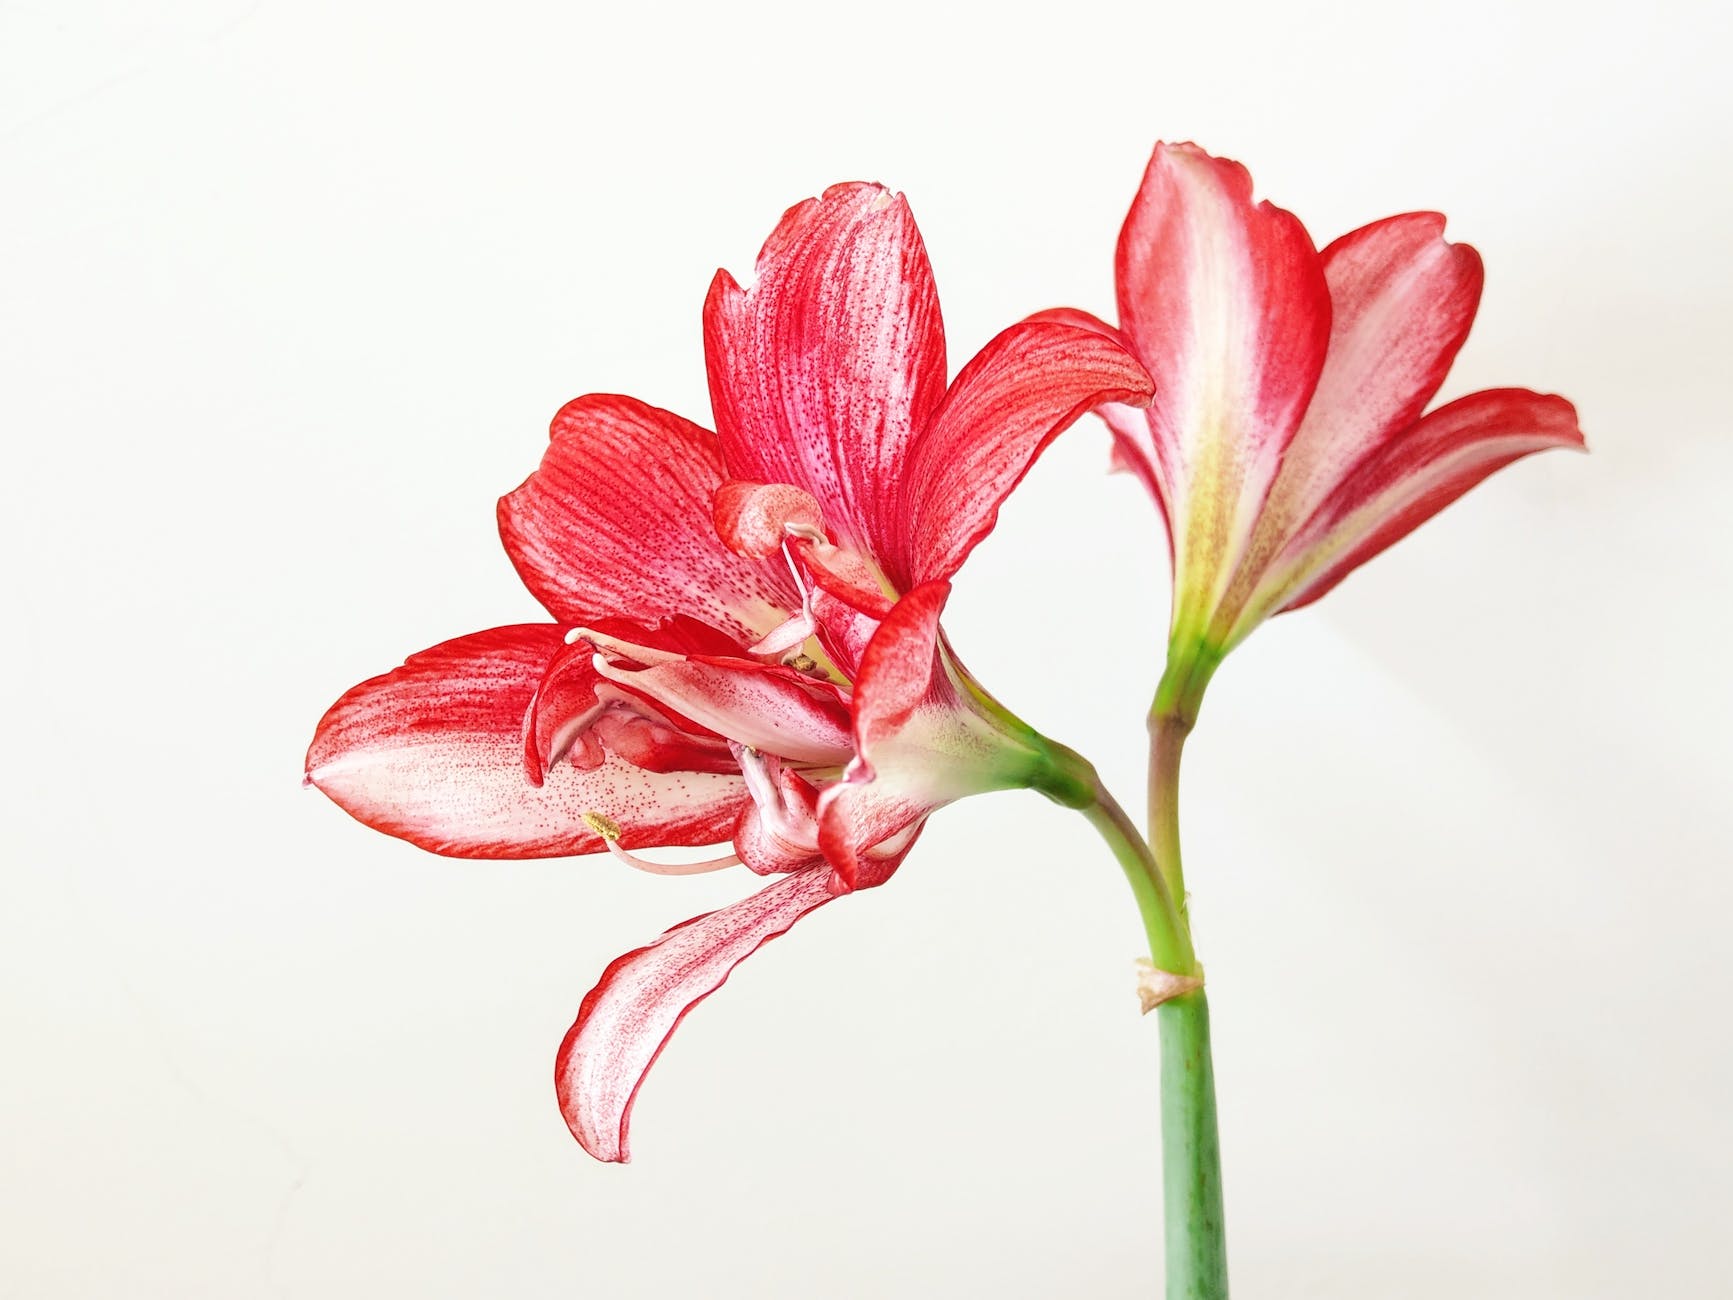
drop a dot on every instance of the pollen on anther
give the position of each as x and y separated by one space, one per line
605 826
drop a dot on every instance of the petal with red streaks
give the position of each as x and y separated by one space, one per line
433 753
617 523
823 371
626 1020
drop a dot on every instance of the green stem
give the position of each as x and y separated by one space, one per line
1197 1264
1191 1155
1169 940
1191 1161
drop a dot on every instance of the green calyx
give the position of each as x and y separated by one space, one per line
1191 661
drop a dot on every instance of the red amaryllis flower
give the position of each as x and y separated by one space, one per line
1286 443
746 643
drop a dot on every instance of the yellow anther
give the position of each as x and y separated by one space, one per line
606 827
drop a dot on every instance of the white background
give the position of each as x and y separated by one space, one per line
289 292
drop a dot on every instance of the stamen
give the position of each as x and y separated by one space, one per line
609 830
794 632
793 568
605 826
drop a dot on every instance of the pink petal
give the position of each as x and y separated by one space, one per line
1225 302
822 371
767 706
1024 388
780 831
576 712
433 752
627 1019
1415 476
1403 300
617 523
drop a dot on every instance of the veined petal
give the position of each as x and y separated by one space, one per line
1412 478
626 1020
433 753
1224 302
1077 318
617 523
1402 302
766 706
1134 449
823 370
1025 387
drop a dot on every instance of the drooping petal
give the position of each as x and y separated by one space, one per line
1412 478
1077 318
1028 385
626 1020
433 752
1133 436
617 523
767 706
920 743
1224 302
1402 302
822 371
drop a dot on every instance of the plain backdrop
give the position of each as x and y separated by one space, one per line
288 293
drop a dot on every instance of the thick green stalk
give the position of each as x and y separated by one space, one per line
1191 1162
1197 1263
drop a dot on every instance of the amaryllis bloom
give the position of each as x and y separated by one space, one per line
1286 444
745 647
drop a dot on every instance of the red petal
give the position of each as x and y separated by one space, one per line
1027 386
617 523
1078 319
1225 302
1416 475
896 672
433 752
627 1019
822 372
896 678
1133 439
1402 301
